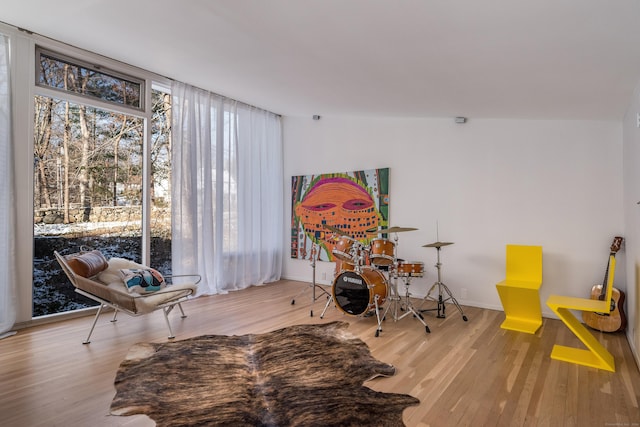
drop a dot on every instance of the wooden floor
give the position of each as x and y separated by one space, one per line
464 373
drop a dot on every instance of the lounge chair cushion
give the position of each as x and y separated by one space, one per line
88 264
112 273
135 278
142 280
151 301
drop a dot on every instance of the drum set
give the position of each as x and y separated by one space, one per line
367 276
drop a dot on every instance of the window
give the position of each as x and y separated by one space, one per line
89 172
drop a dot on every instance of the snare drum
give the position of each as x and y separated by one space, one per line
355 293
410 269
344 248
382 251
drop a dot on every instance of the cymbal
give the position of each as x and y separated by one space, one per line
335 229
437 244
392 230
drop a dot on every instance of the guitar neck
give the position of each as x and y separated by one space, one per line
615 247
603 290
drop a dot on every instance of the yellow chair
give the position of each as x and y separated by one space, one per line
596 355
519 291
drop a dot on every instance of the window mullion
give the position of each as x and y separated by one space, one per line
146 179
77 99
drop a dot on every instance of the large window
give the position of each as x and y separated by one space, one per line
91 185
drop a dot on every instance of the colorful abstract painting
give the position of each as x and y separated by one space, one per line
354 203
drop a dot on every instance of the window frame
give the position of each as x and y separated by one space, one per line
88 99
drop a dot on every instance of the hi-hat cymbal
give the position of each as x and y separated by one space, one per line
335 229
437 244
392 230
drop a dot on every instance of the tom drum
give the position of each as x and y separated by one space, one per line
344 249
382 251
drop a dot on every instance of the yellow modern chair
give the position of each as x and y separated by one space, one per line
596 355
519 291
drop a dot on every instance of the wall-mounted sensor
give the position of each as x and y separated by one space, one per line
316 117
461 119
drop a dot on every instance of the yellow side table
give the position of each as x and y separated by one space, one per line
596 355
519 291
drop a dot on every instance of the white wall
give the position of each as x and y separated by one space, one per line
486 183
631 137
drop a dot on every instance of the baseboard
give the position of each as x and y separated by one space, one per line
634 350
51 318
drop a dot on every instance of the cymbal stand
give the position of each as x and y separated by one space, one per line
314 254
392 280
440 300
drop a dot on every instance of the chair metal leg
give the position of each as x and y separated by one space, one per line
166 312
95 320
115 314
181 311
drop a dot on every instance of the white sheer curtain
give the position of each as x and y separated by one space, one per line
7 254
227 191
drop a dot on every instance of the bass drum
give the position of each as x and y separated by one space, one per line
355 293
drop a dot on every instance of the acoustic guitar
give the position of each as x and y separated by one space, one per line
615 320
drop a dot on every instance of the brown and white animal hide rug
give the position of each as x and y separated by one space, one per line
304 375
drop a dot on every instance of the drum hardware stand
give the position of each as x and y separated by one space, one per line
397 301
409 308
314 254
379 329
326 306
441 287
394 298
394 301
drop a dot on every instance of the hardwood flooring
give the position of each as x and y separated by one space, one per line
464 373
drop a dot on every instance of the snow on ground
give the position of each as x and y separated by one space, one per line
82 227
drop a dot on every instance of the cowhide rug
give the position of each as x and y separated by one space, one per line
305 375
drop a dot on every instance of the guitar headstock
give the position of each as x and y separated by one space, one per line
615 245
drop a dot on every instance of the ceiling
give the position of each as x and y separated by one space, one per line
534 59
